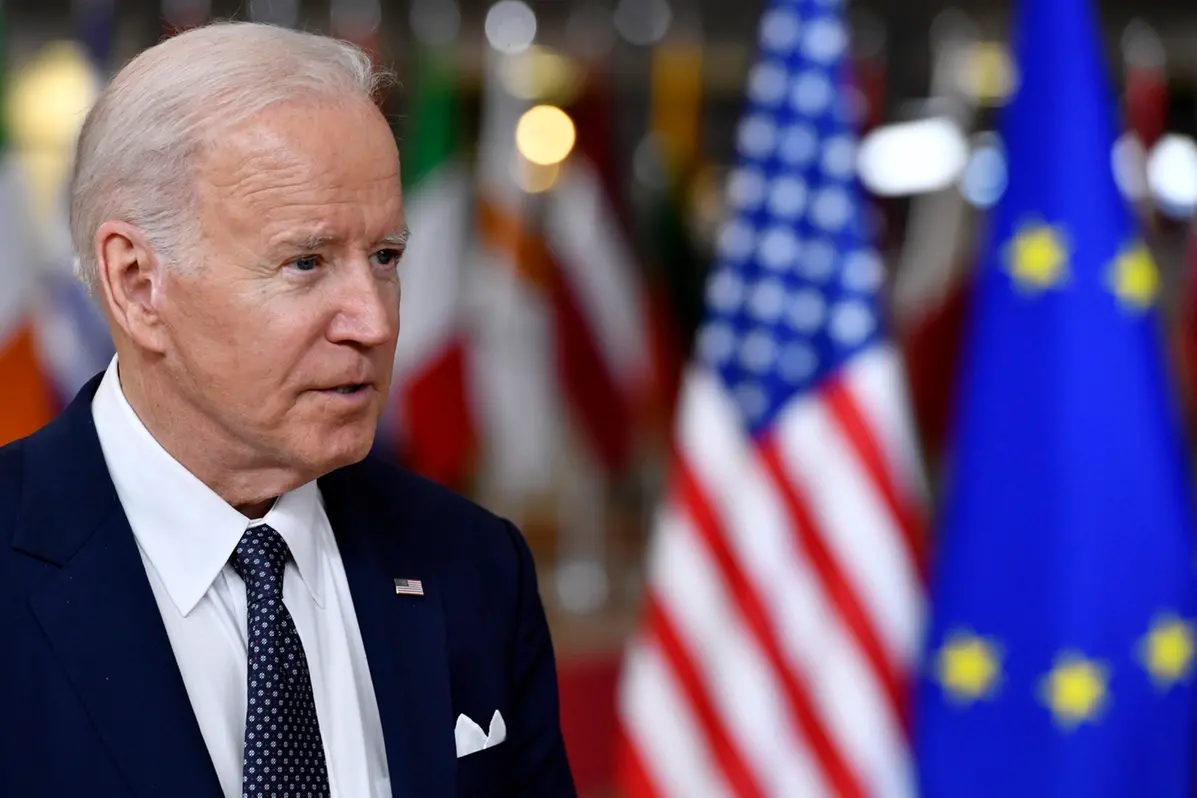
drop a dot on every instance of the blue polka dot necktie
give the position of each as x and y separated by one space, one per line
284 753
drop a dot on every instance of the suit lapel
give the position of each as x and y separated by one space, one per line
103 624
99 612
404 636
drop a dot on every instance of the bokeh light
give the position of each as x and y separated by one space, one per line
643 22
912 157
510 26
545 135
1172 175
435 22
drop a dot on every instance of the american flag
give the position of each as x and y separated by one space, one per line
409 587
784 596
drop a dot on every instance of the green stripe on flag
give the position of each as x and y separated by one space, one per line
434 135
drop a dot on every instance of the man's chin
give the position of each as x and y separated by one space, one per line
337 450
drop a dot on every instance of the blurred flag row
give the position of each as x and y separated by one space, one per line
528 337
532 336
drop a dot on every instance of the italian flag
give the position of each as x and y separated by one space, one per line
431 413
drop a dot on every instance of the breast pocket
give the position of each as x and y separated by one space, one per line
483 774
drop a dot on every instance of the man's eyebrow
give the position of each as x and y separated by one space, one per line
311 242
398 240
306 242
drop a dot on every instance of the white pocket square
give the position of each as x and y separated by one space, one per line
471 739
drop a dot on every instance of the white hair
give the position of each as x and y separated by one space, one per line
137 146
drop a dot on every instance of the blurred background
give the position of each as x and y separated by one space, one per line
568 165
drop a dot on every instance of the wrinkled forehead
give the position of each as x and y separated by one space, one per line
298 163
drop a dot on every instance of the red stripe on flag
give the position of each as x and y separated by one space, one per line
859 434
440 439
835 584
932 351
601 408
27 402
667 360
631 776
730 761
693 498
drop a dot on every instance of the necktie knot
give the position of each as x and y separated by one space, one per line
260 559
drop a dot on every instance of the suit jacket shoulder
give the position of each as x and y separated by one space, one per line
449 524
11 479
10 488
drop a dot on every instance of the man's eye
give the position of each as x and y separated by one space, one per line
306 263
387 257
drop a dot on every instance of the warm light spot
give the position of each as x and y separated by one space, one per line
545 135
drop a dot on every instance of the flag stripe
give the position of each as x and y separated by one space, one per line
596 260
660 721
599 404
847 605
631 773
731 762
440 437
751 608
851 421
878 382
27 403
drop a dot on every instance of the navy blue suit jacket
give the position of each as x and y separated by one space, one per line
91 699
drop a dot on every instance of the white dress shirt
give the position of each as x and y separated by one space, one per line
186 534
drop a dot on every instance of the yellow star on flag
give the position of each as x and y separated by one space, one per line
1037 257
1075 690
1135 278
968 667
1167 651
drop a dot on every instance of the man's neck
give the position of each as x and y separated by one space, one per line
204 448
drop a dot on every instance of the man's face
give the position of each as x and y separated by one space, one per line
285 334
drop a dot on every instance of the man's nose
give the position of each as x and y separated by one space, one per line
368 307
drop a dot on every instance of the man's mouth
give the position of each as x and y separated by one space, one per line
350 389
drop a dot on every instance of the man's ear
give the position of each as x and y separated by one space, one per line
130 281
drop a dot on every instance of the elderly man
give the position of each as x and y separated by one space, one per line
207 586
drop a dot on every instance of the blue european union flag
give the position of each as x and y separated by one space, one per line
1060 653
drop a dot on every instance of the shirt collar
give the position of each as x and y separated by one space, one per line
187 531
294 516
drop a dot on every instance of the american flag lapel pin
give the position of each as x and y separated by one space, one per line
409 587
